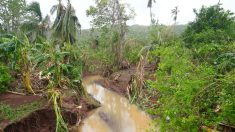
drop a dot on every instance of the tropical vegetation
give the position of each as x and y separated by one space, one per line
194 71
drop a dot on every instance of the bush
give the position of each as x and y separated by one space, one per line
212 25
5 78
131 53
191 95
211 33
178 81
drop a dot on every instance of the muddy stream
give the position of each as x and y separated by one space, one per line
116 114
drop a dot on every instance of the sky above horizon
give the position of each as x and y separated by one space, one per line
161 9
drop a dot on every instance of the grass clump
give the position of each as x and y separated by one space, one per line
9 113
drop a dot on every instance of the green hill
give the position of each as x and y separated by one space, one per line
139 32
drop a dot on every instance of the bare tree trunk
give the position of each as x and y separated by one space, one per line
151 15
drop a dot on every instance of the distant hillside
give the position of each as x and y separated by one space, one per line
179 29
139 32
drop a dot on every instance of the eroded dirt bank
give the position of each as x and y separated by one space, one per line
119 81
43 119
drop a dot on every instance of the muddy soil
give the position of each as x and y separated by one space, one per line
38 84
43 120
119 81
15 100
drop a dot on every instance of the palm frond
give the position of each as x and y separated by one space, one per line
66 25
150 3
35 8
53 9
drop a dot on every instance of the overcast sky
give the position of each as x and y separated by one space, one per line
162 9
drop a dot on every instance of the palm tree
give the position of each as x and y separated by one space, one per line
150 5
35 26
175 12
66 25
35 8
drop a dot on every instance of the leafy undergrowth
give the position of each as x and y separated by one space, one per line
13 114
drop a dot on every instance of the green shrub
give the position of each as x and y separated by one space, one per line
225 62
14 114
227 98
212 25
191 95
178 81
211 33
131 53
5 78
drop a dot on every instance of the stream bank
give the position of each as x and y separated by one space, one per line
43 118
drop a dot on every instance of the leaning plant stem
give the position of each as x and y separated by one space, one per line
60 124
26 72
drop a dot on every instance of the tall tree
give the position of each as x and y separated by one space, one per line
66 26
212 25
211 34
174 13
113 15
11 12
34 25
35 8
150 5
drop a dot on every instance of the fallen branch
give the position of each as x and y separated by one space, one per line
16 93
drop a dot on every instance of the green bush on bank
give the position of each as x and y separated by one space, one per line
5 78
191 95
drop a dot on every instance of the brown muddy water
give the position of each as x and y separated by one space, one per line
116 114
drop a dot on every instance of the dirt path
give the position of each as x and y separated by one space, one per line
15 100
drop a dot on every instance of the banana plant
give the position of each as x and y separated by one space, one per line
25 65
55 65
17 50
55 98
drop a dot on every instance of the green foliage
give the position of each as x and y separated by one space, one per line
97 60
211 34
11 12
14 114
212 25
5 78
35 8
131 52
178 81
154 34
55 99
228 98
34 25
10 47
191 95
225 62
66 25
16 49
112 15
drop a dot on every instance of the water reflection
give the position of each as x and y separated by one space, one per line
115 115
